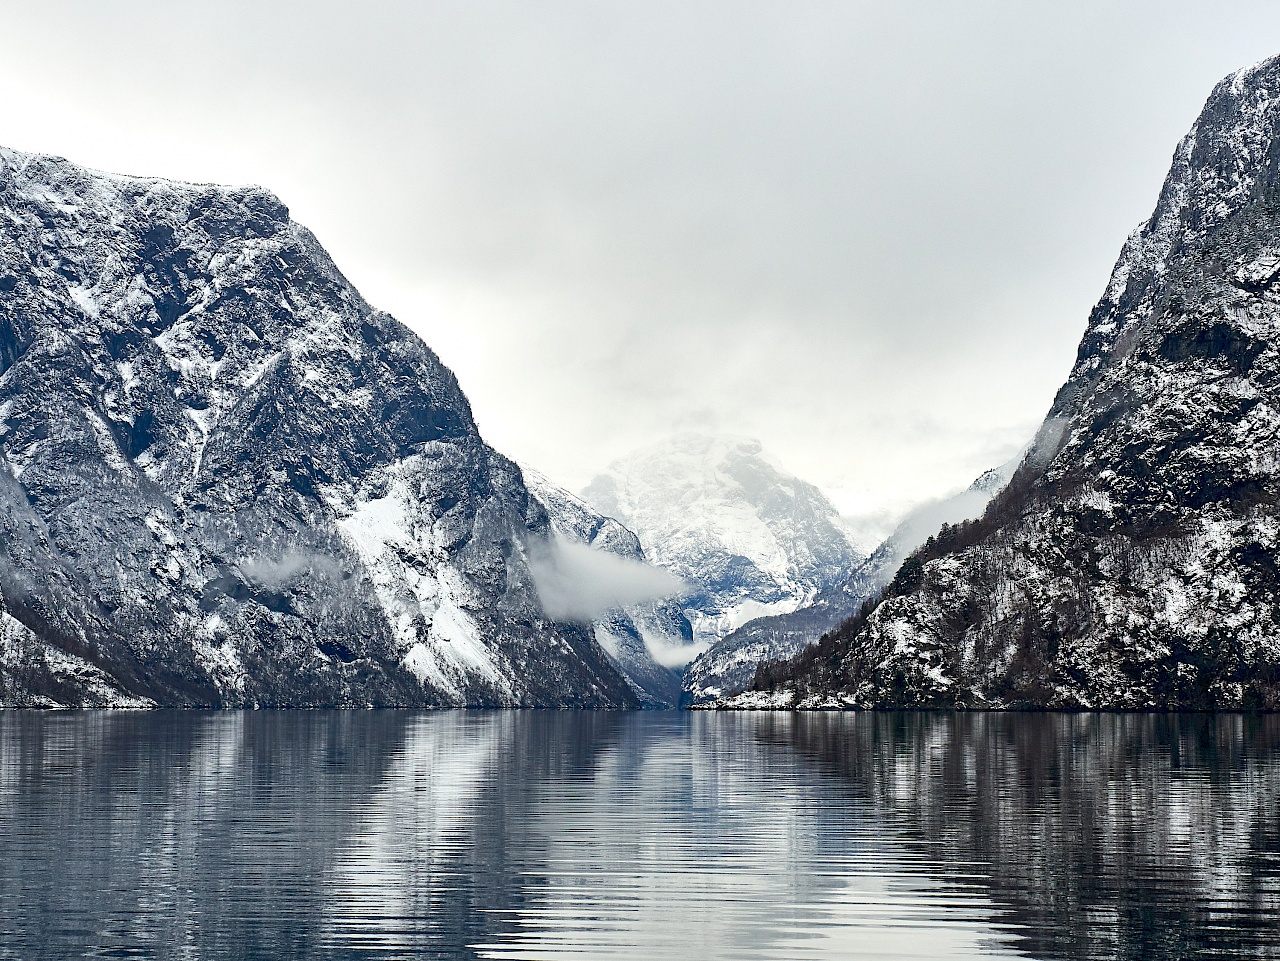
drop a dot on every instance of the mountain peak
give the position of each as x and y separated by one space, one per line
225 479
721 513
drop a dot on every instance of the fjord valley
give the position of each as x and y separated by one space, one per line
229 481
700 563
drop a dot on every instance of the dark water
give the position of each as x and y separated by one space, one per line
655 836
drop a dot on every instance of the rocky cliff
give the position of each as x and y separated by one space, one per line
226 480
1133 560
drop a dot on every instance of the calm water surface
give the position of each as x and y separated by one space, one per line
644 835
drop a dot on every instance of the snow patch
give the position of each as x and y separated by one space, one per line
421 595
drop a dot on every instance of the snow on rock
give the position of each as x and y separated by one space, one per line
1132 562
649 642
37 674
227 480
730 664
722 514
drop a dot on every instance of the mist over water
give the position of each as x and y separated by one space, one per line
642 835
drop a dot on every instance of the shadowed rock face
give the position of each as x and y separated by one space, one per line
1132 562
225 479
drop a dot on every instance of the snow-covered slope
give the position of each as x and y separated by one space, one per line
723 515
226 480
647 641
730 664
1133 560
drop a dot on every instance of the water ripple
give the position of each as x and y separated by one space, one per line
550 835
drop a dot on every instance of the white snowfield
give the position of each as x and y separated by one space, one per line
423 596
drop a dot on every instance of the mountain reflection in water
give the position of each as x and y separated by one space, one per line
644 835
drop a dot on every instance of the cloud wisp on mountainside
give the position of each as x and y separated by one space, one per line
576 582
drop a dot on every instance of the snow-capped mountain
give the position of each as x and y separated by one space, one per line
226 480
1133 560
723 515
647 641
730 663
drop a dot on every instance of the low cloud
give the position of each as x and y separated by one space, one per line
277 573
673 652
1048 441
576 582
927 519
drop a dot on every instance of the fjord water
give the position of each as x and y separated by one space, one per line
516 834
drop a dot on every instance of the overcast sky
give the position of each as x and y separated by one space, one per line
868 234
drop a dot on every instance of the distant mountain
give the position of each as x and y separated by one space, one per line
226 480
1133 561
730 663
720 513
648 642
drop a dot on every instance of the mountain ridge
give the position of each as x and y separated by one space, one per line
226 480
730 664
1131 563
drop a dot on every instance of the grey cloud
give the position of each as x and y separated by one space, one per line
867 233
276 572
575 582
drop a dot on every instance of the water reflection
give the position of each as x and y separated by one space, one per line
1099 836
547 834
690 841
443 846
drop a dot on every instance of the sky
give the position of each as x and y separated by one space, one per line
867 234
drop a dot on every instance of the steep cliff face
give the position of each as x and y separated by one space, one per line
730 664
1132 562
648 642
226 480
719 512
